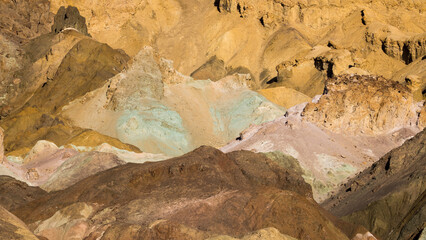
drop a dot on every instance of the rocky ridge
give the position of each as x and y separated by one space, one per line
389 196
217 182
364 105
355 116
77 111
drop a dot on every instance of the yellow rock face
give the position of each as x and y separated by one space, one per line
128 25
257 35
13 228
24 129
284 96
364 105
90 138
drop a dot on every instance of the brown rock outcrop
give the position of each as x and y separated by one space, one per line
69 18
213 69
407 50
87 66
24 19
256 34
26 127
363 105
13 228
206 190
389 197
20 21
80 167
301 76
414 76
59 68
14 193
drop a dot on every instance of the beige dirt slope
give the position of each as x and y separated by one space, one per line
238 37
296 44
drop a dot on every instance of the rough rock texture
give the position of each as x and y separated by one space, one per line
30 125
43 55
327 158
15 193
363 105
51 59
408 50
206 190
414 76
80 167
40 163
20 21
153 114
12 228
301 76
87 66
24 19
267 233
259 35
213 69
388 198
69 18
90 100
60 68
55 168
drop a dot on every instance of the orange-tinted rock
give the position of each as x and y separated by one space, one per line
388 198
205 190
13 228
363 105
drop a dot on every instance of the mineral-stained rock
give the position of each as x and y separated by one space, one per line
45 54
286 161
87 66
283 96
24 19
69 18
408 50
301 76
80 167
388 198
24 129
68 223
266 233
207 191
13 228
39 163
414 76
327 158
251 33
213 69
55 168
153 113
363 105
14 193
20 21
308 68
